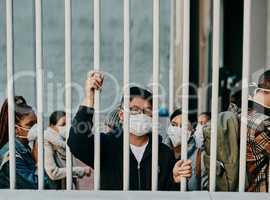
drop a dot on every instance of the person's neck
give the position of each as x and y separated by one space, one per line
55 131
138 140
23 140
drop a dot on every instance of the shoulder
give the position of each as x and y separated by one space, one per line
258 121
165 150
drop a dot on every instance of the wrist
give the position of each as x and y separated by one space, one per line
88 101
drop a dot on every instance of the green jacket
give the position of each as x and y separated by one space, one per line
227 151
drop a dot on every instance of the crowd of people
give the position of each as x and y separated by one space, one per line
171 167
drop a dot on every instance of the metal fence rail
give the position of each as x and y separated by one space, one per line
70 195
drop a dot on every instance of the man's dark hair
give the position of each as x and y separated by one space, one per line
264 80
139 92
208 114
56 116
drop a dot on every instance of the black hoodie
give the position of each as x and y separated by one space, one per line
81 143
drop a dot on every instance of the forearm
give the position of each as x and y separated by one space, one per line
81 139
89 100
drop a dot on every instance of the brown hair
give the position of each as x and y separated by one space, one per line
22 109
264 80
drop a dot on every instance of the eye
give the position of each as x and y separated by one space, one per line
174 125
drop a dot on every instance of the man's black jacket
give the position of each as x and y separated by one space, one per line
81 143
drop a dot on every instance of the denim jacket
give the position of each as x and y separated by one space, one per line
26 177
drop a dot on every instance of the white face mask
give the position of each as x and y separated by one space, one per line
140 124
175 135
62 130
33 133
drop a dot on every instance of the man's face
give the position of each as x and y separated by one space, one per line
263 97
138 105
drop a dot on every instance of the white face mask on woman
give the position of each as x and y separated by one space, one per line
175 135
62 130
140 124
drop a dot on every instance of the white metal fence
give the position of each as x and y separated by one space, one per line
126 39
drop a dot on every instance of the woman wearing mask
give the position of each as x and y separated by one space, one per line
203 119
25 118
194 154
55 151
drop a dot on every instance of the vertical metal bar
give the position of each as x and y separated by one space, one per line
185 92
215 85
171 73
126 93
245 91
39 77
10 93
97 94
155 94
68 104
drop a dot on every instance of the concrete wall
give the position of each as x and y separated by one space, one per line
259 33
82 49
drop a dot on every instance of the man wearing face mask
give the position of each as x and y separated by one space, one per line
258 136
174 141
81 142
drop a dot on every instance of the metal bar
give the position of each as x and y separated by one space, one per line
126 92
10 93
68 58
245 91
171 73
97 94
39 76
185 78
155 94
215 85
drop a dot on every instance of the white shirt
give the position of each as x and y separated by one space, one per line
138 151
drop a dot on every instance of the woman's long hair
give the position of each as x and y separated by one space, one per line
22 109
